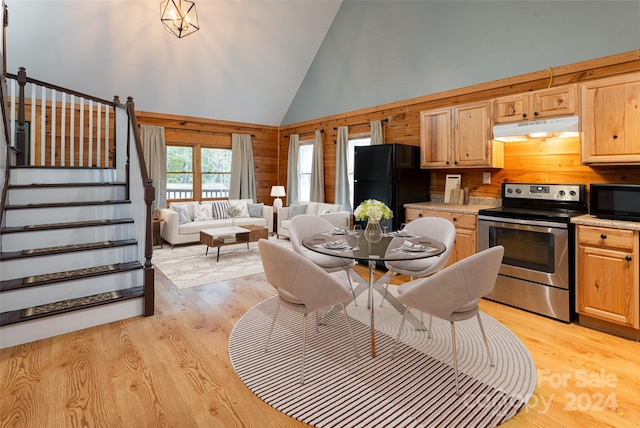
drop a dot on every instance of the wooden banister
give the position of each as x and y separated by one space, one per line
149 198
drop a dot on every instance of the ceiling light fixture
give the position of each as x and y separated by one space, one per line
179 17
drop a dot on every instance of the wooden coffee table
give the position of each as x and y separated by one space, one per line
244 234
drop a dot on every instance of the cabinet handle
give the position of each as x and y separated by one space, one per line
447 162
455 162
524 115
603 236
455 219
615 137
419 214
628 258
535 113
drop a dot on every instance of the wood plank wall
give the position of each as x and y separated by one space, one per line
191 131
538 161
551 161
69 155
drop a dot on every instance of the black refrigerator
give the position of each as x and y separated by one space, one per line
390 173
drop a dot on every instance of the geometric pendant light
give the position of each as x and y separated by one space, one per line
179 17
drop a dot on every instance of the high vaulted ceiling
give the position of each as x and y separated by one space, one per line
245 64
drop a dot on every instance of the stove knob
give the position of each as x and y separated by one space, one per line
509 190
518 191
572 193
561 193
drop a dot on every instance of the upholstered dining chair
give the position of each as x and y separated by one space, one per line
304 225
453 294
437 228
302 287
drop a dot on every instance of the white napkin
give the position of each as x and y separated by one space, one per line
336 244
407 245
403 233
338 231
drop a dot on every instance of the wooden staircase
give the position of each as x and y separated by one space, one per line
70 257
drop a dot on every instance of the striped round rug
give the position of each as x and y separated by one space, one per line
414 389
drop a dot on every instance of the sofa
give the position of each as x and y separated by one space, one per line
331 212
175 228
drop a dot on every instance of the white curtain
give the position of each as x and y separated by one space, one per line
377 133
155 157
317 169
342 169
292 169
243 180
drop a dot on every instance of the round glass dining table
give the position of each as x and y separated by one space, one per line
390 248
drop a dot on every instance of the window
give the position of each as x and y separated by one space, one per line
179 172
350 156
305 160
211 180
216 172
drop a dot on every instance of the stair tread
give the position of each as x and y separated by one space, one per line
35 252
66 204
70 305
31 281
67 225
84 184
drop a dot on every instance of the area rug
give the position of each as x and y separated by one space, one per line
188 266
415 389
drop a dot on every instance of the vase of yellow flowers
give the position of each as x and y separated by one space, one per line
373 211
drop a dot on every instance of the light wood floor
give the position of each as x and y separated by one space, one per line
173 369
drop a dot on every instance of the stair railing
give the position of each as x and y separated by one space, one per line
56 126
140 189
66 139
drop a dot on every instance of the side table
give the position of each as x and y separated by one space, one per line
157 240
275 222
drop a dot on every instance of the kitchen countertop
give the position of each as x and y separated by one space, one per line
589 220
473 207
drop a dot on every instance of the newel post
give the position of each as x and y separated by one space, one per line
21 137
149 197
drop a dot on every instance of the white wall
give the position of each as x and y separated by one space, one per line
378 52
245 64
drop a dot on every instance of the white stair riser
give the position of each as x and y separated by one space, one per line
29 331
23 196
61 175
34 216
22 298
20 268
50 238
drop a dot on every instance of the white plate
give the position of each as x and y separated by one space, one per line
414 249
332 246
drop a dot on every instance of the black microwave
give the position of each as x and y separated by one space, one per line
615 201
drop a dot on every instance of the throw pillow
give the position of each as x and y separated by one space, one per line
219 209
296 209
243 208
183 214
255 210
202 212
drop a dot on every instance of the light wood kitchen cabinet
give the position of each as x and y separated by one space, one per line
552 102
459 137
466 230
610 113
607 274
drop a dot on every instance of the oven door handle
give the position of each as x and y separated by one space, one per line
524 222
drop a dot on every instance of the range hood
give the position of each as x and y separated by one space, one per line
544 128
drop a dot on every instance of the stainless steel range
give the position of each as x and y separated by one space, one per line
533 225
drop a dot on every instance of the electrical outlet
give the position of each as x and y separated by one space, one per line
486 178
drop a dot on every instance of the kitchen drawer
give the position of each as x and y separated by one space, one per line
463 221
605 237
